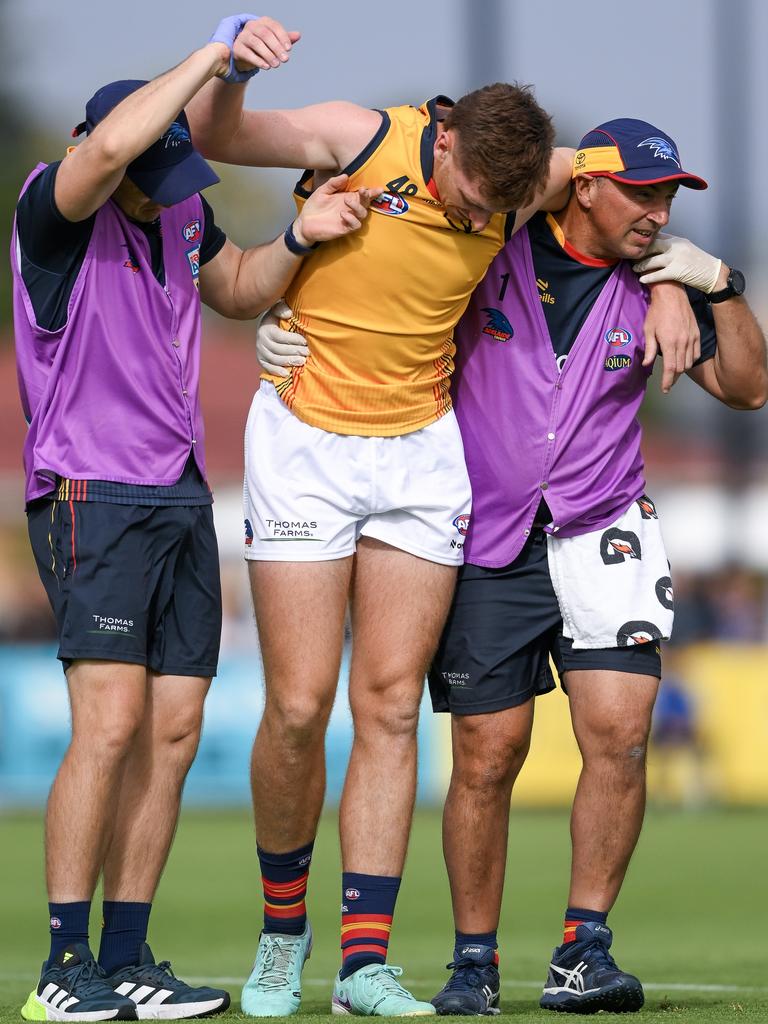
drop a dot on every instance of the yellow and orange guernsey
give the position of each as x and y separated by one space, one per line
378 307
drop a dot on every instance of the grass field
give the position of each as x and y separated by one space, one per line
691 922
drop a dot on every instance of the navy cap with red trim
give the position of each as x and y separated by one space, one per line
170 170
634 152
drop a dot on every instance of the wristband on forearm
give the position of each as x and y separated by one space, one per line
294 245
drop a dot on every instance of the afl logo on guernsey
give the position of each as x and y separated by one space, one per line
191 231
389 203
617 337
462 523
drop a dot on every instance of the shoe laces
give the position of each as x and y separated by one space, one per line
82 973
279 956
597 955
386 977
466 974
161 973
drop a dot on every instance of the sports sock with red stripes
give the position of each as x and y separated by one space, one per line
574 916
284 877
367 906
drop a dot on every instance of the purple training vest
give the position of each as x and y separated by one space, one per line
113 395
531 431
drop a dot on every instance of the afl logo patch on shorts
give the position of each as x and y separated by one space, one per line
617 337
351 894
462 523
389 203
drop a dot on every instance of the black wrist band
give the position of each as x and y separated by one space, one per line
294 245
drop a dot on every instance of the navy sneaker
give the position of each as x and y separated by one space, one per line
583 976
473 988
73 987
158 994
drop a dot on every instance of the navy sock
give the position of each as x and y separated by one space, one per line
123 930
367 908
574 916
69 924
284 878
464 939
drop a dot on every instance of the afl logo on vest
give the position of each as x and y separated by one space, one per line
392 205
191 231
617 337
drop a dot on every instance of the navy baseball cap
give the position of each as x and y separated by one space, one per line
171 169
634 152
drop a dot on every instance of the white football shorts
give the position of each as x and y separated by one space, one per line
309 493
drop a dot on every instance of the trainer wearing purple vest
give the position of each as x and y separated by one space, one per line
113 249
564 556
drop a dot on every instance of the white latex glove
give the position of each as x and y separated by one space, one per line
277 349
670 258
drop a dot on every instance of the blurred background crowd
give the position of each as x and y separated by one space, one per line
693 68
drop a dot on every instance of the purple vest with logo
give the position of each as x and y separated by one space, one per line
531 431
113 395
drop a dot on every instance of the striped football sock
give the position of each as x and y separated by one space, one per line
574 916
284 877
367 906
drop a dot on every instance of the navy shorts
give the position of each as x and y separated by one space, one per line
131 583
503 627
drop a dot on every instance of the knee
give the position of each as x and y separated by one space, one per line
300 719
387 710
108 738
176 737
621 750
483 761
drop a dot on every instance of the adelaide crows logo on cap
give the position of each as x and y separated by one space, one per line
175 136
661 148
665 593
618 337
391 204
498 326
619 545
636 632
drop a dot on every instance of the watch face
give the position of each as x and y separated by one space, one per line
737 282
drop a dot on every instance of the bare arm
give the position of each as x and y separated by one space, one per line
326 136
738 373
241 284
89 175
555 193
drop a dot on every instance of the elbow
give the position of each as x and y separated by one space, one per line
751 400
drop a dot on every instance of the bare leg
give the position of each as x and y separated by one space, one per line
611 714
399 605
107 700
150 791
300 610
488 753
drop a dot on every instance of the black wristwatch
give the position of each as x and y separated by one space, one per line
735 285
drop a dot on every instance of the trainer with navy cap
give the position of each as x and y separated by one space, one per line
114 247
564 558
563 555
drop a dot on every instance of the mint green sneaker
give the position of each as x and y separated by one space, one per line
374 991
274 986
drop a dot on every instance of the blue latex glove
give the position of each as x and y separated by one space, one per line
227 32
